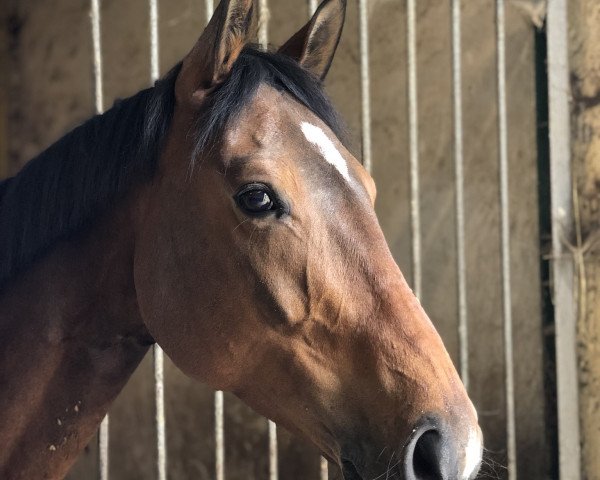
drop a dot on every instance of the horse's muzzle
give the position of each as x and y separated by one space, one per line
431 453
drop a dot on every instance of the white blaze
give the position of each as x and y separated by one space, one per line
317 137
472 454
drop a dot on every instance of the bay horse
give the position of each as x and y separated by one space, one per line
220 215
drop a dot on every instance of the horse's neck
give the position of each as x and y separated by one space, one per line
70 337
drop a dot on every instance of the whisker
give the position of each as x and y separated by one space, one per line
388 469
240 224
394 466
490 468
252 233
380 454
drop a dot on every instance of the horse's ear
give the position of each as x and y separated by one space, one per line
314 45
209 62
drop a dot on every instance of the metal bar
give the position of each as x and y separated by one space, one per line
97 49
413 128
154 61
159 394
461 269
219 437
159 380
209 9
511 445
219 399
263 38
219 408
103 435
365 84
263 23
324 470
103 439
273 464
565 312
324 465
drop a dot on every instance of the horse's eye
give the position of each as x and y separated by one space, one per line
256 199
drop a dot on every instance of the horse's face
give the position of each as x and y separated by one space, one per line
265 272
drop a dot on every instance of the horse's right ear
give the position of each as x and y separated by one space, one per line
209 62
314 45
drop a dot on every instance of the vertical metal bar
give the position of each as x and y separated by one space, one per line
562 220
505 241
219 407
103 439
365 84
97 49
413 128
461 269
103 435
263 23
324 470
154 61
324 466
273 464
219 437
209 9
159 393
263 38
219 398
159 380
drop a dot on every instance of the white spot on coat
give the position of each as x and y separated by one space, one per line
472 454
317 137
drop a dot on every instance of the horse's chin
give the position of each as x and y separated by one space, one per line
351 472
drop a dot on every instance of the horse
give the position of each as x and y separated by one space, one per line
221 215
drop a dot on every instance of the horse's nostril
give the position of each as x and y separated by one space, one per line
428 457
431 455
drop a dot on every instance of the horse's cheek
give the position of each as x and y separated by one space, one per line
182 302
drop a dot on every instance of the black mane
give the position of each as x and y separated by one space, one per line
65 188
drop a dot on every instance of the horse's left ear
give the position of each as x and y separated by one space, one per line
314 45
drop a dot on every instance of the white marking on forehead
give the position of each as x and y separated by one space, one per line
472 454
317 137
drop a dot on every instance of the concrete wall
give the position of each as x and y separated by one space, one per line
50 90
584 18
